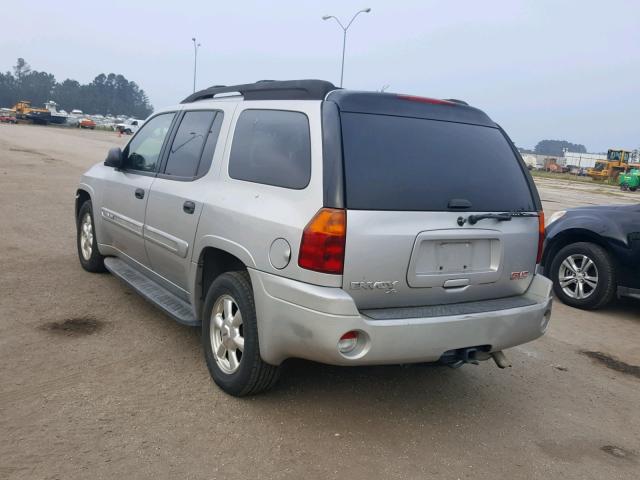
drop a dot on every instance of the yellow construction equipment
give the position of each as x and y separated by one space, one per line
23 108
608 170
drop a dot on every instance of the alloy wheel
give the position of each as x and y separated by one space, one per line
86 236
578 276
227 339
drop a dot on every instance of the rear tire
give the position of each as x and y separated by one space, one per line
230 337
86 240
633 189
583 276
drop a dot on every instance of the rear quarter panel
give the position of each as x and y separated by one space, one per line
249 216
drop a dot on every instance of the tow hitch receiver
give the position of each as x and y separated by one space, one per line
473 355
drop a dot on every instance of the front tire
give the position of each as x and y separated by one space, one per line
230 337
583 276
86 241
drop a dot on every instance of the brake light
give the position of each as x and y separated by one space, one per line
323 241
540 235
434 101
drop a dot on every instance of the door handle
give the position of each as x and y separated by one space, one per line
189 207
139 193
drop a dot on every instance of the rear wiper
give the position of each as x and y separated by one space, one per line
473 219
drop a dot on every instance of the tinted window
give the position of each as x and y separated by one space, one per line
143 151
210 145
272 147
400 163
186 149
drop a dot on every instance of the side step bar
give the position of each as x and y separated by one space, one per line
159 296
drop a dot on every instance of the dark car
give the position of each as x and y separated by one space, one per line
592 254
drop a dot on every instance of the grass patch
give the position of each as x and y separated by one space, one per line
563 176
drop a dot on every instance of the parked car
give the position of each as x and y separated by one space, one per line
8 118
129 126
295 219
87 123
592 254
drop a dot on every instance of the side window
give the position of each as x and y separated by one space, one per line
143 151
210 145
192 137
272 147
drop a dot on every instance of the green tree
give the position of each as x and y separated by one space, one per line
66 94
37 87
106 94
556 147
8 89
21 69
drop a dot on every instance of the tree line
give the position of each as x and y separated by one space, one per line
556 147
106 94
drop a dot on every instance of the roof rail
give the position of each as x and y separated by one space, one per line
270 90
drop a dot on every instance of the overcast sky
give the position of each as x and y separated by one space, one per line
541 68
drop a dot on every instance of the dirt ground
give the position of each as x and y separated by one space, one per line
95 383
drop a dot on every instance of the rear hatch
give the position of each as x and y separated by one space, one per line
416 188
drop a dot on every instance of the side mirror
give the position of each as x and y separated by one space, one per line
114 158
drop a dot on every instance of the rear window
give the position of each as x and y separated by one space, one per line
401 163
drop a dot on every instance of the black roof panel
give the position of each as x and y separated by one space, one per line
408 106
351 100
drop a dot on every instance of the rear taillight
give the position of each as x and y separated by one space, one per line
434 101
323 240
540 235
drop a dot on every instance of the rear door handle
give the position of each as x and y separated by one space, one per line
189 207
139 193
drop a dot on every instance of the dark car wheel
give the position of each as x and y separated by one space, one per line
90 257
230 337
583 276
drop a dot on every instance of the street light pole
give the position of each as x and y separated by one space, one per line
344 36
195 61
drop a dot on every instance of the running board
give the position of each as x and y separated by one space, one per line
159 296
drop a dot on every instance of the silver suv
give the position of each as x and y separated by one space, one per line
295 219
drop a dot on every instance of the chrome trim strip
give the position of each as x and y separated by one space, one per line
173 244
127 223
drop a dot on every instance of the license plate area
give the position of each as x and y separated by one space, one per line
442 255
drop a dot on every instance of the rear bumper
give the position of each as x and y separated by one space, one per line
300 320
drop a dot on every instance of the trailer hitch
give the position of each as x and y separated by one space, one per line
461 356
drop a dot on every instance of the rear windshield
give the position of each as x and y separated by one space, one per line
401 163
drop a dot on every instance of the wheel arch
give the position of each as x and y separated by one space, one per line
567 237
213 261
82 195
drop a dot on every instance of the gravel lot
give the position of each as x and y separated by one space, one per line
125 392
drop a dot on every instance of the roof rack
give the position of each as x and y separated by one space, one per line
270 90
